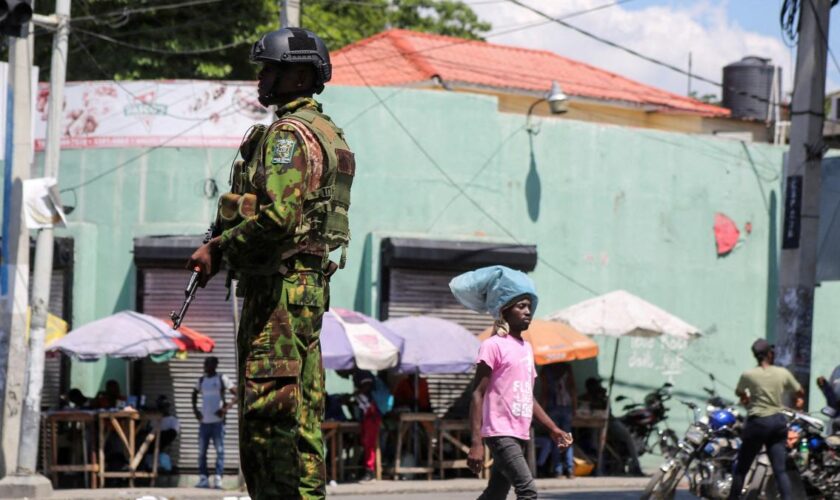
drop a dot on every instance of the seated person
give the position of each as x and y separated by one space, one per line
596 398
169 428
831 390
111 397
335 407
74 399
404 398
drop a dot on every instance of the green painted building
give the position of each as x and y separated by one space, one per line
604 207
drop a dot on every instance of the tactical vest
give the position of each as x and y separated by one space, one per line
324 223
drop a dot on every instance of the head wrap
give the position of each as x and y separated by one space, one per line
493 289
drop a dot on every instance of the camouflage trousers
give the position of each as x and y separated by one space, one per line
281 380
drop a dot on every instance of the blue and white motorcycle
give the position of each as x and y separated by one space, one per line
705 455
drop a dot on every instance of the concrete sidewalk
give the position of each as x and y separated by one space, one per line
384 489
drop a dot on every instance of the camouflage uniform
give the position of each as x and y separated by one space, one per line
280 372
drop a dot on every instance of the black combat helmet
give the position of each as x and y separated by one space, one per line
295 45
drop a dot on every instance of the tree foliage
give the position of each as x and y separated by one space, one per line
341 22
151 39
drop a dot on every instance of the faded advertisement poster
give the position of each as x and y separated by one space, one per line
188 113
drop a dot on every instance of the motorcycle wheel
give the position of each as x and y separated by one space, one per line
663 485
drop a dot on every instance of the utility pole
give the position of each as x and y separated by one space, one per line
289 13
16 301
797 274
30 421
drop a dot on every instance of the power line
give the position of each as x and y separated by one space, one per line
504 31
153 8
823 35
186 52
131 160
638 54
454 184
125 89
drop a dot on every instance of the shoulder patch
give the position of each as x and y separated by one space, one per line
284 150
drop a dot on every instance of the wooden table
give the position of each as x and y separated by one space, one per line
453 432
85 419
406 422
596 420
124 424
334 433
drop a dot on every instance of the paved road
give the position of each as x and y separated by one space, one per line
546 495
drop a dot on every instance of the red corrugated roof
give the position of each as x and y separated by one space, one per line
402 57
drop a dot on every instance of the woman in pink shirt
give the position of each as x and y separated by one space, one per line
503 404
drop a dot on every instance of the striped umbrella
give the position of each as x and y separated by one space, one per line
349 339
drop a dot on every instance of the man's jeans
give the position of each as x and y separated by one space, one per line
509 468
206 432
771 433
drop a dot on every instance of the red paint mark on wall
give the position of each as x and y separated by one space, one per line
726 234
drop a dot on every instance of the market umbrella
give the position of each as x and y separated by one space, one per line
554 342
434 345
622 314
349 339
128 334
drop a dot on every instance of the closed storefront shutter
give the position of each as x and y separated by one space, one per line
51 394
161 291
426 292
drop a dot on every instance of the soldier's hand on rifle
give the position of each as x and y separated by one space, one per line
207 258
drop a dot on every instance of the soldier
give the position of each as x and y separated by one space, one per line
286 212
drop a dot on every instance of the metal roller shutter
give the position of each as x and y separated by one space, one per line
426 292
161 291
52 363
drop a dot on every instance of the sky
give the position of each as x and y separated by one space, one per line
714 32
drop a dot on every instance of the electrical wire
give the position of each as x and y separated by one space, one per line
505 31
151 8
186 52
125 89
638 54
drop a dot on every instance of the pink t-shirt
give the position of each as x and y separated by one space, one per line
509 400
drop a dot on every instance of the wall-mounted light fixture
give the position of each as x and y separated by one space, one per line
558 103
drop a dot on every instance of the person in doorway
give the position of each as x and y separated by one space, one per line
761 390
212 387
502 402
559 398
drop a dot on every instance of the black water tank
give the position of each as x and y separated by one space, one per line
746 87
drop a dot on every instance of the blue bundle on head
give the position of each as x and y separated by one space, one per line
490 289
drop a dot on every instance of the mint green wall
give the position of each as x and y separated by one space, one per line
610 207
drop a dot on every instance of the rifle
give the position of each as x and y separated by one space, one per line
192 284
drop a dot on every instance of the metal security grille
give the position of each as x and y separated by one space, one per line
162 290
426 292
52 363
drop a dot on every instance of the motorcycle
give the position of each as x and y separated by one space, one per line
804 471
705 454
645 422
821 470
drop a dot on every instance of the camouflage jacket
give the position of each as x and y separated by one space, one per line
287 165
